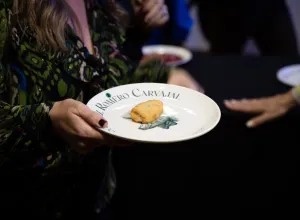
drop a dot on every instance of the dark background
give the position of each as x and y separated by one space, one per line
232 172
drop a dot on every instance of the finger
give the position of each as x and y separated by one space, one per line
94 119
148 5
158 21
263 118
86 132
152 13
244 105
164 20
157 16
155 12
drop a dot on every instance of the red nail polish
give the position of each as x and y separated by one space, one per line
102 122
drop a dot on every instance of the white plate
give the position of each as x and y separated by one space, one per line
187 114
289 75
183 53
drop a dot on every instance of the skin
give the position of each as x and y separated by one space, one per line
78 125
181 77
151 13
266 108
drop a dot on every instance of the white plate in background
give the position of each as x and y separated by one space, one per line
184 54
290 75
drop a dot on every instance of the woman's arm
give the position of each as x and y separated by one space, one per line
23 128
266 108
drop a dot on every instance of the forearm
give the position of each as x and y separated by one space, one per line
32 120
25 131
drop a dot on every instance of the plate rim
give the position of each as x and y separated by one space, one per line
186 138
174 63
282 69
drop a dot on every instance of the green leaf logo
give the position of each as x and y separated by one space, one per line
108 95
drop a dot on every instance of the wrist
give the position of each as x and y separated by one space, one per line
52 110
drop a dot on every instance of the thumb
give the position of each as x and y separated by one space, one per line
261 119
93 118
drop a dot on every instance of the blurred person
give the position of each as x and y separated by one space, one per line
149 24
176 31
145 17
156 22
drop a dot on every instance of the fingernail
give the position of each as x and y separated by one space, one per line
250 124
102 122
228 102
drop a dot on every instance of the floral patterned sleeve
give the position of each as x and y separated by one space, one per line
22 127
153 70
125 71
122 70
110 39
